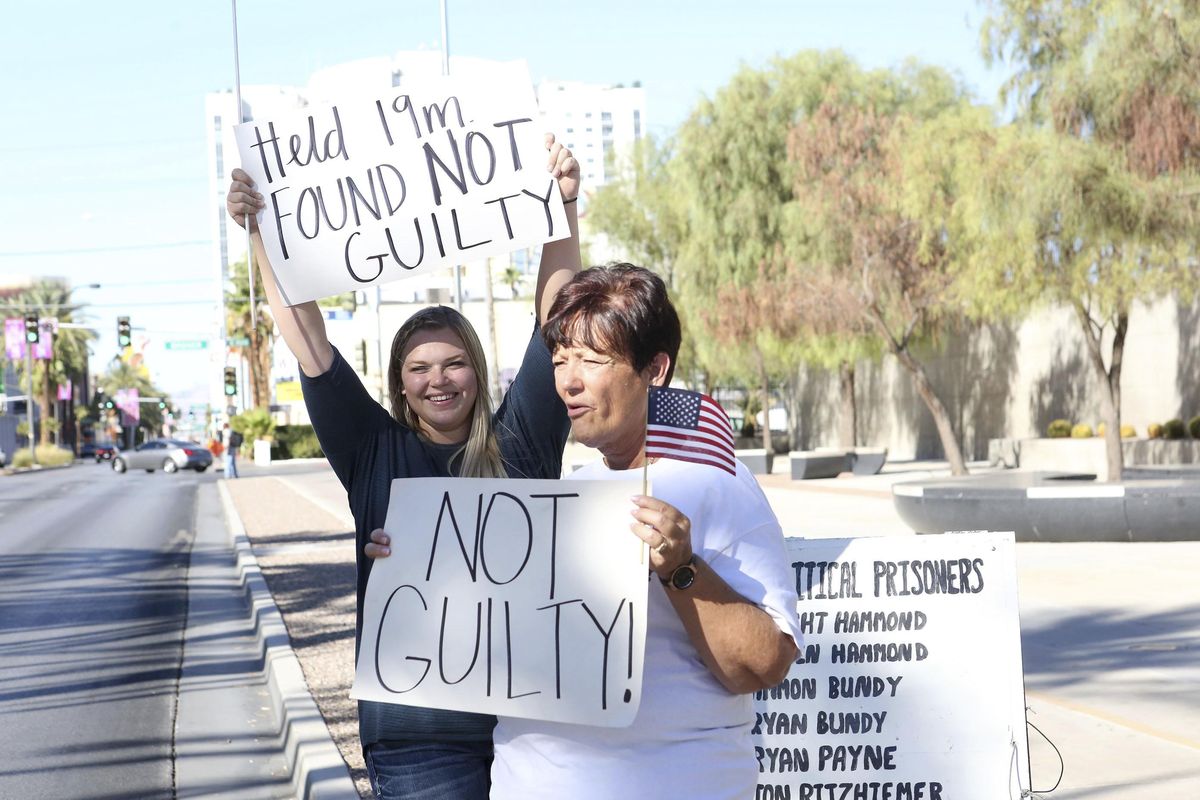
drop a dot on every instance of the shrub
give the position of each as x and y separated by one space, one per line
748 430
1194 426
307 446
1154 430
1059 429
1173 429
1081 431
295 441
47 455
255 423
1127 431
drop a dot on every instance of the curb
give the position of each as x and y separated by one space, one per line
14 471
317 768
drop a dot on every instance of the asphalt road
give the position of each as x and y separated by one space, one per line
93 600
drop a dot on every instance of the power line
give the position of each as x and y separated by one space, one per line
100 145
113 249
83 306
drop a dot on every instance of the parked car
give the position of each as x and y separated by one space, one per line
98 451
169 455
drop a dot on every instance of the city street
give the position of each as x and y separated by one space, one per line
93 597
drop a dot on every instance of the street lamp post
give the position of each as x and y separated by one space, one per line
458 290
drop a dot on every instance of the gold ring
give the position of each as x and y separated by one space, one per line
662 545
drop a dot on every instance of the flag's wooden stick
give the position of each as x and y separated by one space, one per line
645 462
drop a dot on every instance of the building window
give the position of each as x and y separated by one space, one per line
637 124
220 149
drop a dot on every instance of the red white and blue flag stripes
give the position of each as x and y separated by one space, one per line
689 426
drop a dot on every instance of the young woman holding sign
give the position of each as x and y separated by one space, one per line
441 424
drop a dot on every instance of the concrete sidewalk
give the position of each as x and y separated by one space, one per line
1110 632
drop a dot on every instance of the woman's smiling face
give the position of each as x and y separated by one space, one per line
440 384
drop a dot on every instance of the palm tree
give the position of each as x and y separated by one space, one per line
513 278
123 375
260 336
51 298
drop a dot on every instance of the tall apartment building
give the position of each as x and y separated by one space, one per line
599 123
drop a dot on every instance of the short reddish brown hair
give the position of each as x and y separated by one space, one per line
622 310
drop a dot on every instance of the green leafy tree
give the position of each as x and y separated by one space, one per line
642 210
1104 168
862 268
261 336
643 213
735 182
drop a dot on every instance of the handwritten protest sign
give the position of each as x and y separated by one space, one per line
370 189
518 597
908 685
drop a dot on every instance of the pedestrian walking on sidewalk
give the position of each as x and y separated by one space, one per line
441 424
232 441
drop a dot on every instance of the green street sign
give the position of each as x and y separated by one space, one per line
188 344
238 341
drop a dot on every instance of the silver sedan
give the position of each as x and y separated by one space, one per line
169 455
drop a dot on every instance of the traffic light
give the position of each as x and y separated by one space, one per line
230 381
161 405
31 328
124 333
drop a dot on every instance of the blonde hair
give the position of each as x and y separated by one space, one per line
480 454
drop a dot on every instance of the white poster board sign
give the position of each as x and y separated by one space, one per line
370 189
525 598
909 683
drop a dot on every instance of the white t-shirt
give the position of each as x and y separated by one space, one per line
691 736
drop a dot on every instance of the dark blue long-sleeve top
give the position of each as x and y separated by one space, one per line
367 449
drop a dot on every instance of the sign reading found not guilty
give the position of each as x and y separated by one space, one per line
525 598
370 189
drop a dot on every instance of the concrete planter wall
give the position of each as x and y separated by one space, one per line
1087 455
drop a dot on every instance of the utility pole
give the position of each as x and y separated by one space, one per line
494 372
458 290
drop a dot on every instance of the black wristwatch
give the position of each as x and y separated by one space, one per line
683 576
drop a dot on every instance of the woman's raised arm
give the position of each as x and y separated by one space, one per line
303 325
561 260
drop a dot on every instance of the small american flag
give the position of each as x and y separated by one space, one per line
689 426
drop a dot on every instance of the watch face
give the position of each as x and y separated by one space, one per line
683 577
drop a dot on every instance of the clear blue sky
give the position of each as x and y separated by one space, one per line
102 150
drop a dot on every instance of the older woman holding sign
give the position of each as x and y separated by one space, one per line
441 424
722 609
